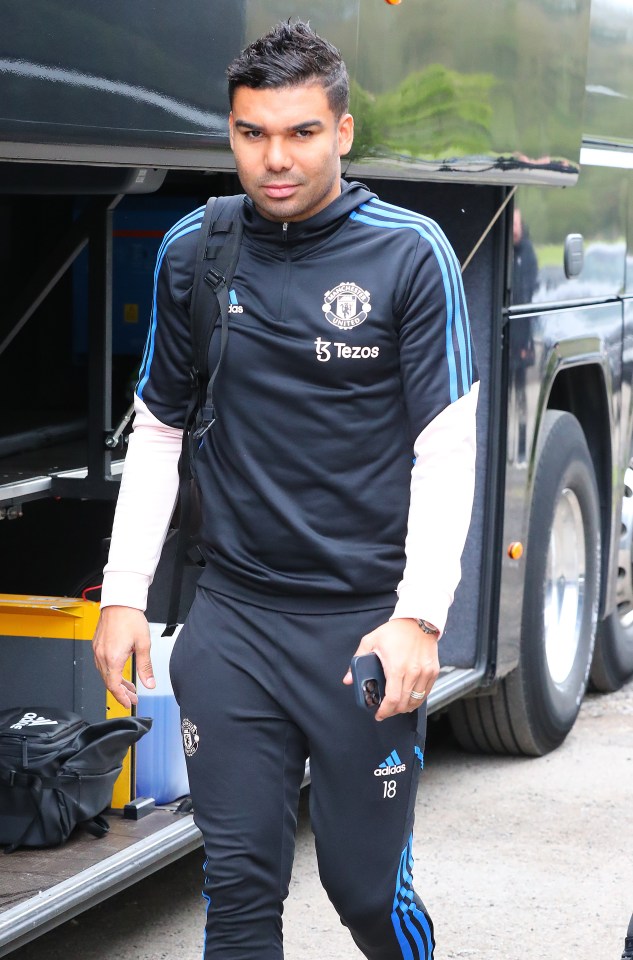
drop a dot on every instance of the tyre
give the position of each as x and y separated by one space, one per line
613 658
533 709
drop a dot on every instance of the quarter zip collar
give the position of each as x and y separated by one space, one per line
305 232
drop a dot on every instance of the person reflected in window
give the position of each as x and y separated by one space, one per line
525 269
524 284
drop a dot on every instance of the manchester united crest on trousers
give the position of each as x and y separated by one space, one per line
346 306
190 736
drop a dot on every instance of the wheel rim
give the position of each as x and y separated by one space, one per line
624 593
564 586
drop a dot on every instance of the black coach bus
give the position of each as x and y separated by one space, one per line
509 124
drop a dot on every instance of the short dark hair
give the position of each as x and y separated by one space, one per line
289 55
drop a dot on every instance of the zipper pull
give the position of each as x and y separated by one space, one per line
25 752
284 231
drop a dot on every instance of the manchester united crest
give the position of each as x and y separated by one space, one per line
190 737
346 306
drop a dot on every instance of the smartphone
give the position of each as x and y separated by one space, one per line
369 681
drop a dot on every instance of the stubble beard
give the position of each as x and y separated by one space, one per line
292 208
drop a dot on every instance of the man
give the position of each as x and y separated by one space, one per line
350 356
524 286
525 265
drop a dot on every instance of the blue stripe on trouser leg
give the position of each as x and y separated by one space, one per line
262 687
208 899
410 923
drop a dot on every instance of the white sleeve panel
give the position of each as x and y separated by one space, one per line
149 488
442 488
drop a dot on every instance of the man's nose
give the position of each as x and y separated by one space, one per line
277 155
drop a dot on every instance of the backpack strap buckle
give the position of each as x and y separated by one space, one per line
214 278
199 432
207 419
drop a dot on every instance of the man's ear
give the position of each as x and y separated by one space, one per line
231 129
345 134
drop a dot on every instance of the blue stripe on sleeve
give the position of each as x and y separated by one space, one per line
450 349
465 348
400 213
169 236
458 312
187 225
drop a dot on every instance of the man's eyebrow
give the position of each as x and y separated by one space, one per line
247 126
304 125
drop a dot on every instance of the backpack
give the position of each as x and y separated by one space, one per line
57 771
217 254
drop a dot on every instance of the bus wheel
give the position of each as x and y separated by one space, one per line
613 659
532 710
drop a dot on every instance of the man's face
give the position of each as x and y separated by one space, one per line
287 145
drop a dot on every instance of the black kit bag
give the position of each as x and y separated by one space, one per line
57 771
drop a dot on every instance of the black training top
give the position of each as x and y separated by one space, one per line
348 335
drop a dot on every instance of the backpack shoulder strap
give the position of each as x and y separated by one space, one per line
195 308
216 259
217 254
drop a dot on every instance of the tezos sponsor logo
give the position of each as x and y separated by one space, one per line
346 306
343 351
190 736
32 720
389 771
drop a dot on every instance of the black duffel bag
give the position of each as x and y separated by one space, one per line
57 771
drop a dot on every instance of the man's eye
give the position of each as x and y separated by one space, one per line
303 134
253 134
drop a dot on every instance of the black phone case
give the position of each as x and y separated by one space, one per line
364 669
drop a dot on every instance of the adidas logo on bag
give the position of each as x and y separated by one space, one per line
32 720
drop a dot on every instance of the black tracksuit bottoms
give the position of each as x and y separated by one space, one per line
260 691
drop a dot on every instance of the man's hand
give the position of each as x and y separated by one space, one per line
410 661
122 631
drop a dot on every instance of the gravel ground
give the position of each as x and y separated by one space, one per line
516 859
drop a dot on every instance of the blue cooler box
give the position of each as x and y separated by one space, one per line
161 771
